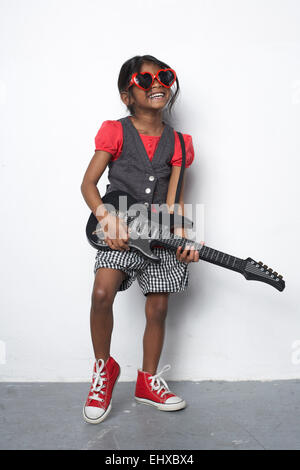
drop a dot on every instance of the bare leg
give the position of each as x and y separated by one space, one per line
106 285
156 312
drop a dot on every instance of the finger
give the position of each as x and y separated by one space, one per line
110 243
189 257
124 246
186 251
183 255
118 246
115 244
127 246
178 252
192 253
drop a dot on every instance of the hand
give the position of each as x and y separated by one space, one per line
115 232
189 254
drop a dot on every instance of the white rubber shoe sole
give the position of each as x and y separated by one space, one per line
163 406
105 414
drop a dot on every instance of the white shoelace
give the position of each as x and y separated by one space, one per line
98 381
155 381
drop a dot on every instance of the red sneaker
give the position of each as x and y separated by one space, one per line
148 391
99 400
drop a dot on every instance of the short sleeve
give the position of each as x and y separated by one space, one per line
189 151
110 138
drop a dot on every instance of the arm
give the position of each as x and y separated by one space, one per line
116 233
91 177
171 196
189 254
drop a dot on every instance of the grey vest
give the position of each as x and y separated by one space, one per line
133 172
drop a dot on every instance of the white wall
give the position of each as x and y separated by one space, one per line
238 63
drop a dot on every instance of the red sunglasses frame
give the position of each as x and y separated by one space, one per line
133 82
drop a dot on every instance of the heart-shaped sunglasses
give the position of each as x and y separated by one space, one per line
145 80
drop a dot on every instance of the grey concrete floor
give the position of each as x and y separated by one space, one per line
219 415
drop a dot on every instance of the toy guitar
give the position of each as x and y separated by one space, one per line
142 237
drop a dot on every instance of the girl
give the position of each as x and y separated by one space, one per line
143 154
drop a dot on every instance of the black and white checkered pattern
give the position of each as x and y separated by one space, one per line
171 275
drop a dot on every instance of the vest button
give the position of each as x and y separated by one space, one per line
151 178
147 190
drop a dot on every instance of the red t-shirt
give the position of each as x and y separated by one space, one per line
110 139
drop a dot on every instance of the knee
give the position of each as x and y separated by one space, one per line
156 313
101 298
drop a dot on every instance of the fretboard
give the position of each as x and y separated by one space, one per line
163 236
205 252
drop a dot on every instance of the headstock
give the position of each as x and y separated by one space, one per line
257 271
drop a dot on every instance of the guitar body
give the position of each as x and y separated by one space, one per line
136 242
147 228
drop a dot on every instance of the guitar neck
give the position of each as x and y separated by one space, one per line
205 252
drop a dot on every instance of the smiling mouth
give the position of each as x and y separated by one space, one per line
157 97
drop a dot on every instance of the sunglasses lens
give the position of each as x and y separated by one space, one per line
144 80
166 77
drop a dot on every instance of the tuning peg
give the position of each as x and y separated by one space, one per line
271 270
280 276
260 262
265 266
275 273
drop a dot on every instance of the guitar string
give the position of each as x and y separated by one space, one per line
175 240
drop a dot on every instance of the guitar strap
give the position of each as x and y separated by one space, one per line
182 167
179 184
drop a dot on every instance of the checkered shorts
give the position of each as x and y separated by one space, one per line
171 275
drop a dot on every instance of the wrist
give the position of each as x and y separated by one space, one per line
101 213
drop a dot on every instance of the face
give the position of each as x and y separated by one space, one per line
141 98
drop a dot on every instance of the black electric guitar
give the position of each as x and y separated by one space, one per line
148 228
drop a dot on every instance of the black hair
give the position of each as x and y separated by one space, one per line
134 65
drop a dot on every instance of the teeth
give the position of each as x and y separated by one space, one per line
156 95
